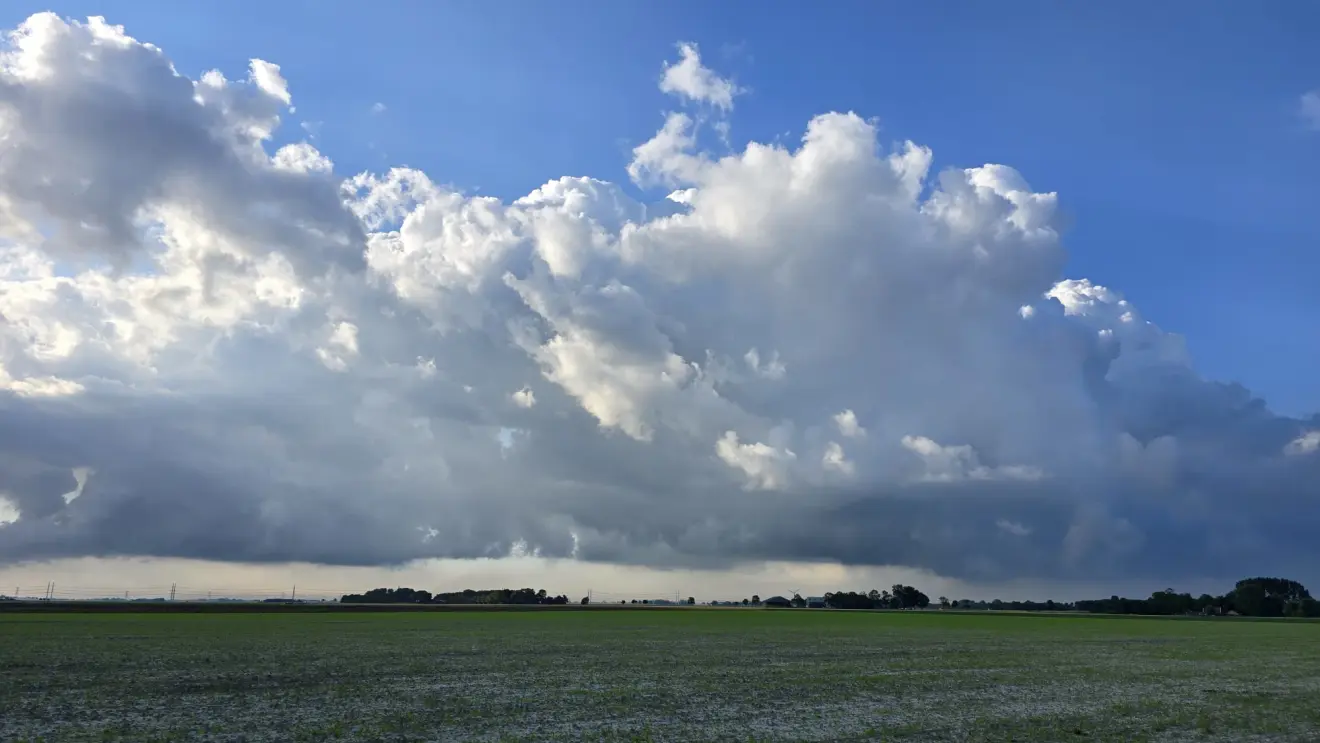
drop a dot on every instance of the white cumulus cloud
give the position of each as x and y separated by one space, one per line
765 466
954 463
835 459
267 77
8 511
233 351
848 425
1307 443
690 79
524 398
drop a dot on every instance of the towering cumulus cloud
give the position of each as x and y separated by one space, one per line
820 352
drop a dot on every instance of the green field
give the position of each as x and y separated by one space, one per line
675 675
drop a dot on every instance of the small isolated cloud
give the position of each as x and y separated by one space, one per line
524 398
689 78
848 425
267 77
1309 109
1307 443
765 467
1012 527
340 348
9 512
957 463
668 157
378 108
771 368
834 459
80 477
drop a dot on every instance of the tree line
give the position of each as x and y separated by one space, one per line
1250 597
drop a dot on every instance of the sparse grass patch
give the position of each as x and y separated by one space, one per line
653 676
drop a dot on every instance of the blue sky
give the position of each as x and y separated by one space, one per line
1171 133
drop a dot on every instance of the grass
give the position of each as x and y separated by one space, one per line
658 675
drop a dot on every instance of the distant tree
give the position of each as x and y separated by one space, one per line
756 599
1280 588
1267 597
388 596
898 592
585 601
1252 600
849 600
798 601
1308 608
634 601
907 597
1169 601
624 601
745 602
692 601
646 601
944 602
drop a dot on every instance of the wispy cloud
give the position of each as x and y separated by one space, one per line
1309 109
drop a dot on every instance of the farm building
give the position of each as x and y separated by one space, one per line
778 602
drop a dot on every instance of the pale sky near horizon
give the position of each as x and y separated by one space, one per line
88 578
648 300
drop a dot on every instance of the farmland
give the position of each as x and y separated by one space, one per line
674 675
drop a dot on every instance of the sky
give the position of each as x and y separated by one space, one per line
999 299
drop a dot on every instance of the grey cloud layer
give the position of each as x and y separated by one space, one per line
819 353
